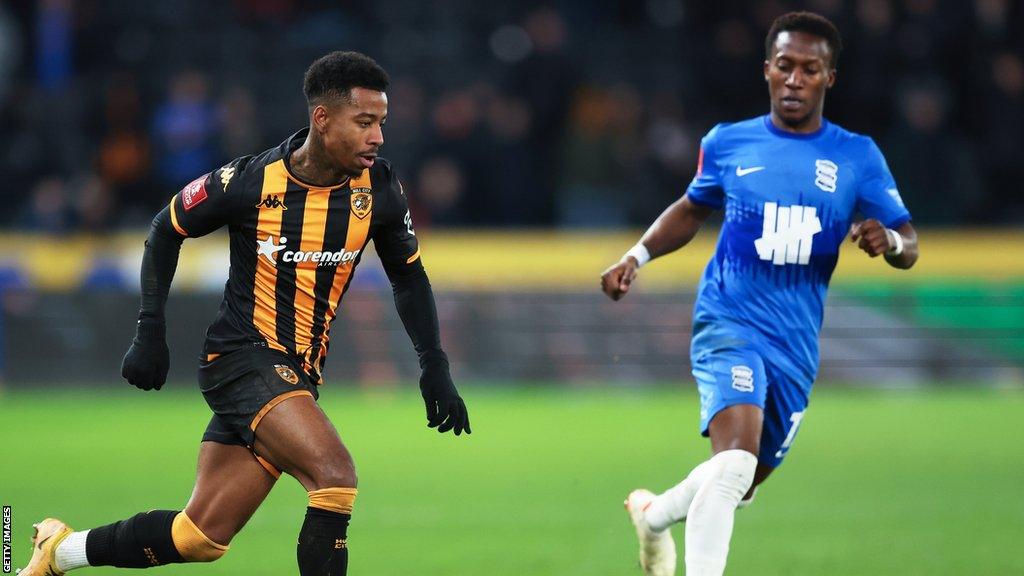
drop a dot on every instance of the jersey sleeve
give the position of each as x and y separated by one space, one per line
877 195
208 202
395 240
706 186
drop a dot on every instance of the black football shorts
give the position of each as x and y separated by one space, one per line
242 386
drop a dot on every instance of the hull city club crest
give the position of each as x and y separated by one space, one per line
287 374
362 202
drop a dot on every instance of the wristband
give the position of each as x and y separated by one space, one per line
896 239
150 329
639 251
433 358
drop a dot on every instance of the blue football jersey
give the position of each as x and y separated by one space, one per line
789 200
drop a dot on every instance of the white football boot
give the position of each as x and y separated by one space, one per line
657 549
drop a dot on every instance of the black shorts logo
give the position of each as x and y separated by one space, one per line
287 374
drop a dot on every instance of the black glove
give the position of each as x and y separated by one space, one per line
147 361
445 408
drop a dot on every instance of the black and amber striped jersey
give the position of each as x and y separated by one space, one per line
294 247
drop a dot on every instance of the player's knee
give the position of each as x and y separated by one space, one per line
192 543
341 473
732 473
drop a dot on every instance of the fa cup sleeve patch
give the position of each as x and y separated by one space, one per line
193 194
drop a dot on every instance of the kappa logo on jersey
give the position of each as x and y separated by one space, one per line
194 193
226 174
787 234
287 374
826 175
743 378
271 202
269 249
362 202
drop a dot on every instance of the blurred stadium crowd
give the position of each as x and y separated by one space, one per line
570 113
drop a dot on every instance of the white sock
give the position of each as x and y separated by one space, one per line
709 520
748 501
672 505
70 553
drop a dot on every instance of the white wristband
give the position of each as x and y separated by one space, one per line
896 240
639 251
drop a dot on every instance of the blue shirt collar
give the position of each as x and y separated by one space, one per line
809 136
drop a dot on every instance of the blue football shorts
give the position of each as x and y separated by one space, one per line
730 376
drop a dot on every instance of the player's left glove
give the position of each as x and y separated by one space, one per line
147 361
445 408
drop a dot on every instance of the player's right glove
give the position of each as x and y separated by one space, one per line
445 408
147 361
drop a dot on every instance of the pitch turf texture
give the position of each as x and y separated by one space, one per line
877 482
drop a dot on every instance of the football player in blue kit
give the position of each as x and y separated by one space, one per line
791 183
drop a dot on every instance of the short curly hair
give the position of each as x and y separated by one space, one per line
805 22
336 74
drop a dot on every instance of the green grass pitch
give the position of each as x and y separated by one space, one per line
877 482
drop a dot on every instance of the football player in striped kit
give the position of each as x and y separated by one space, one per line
299 217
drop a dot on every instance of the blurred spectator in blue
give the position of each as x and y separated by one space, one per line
932 164
185 129
54 43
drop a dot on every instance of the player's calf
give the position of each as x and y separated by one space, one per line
323 541
710 518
